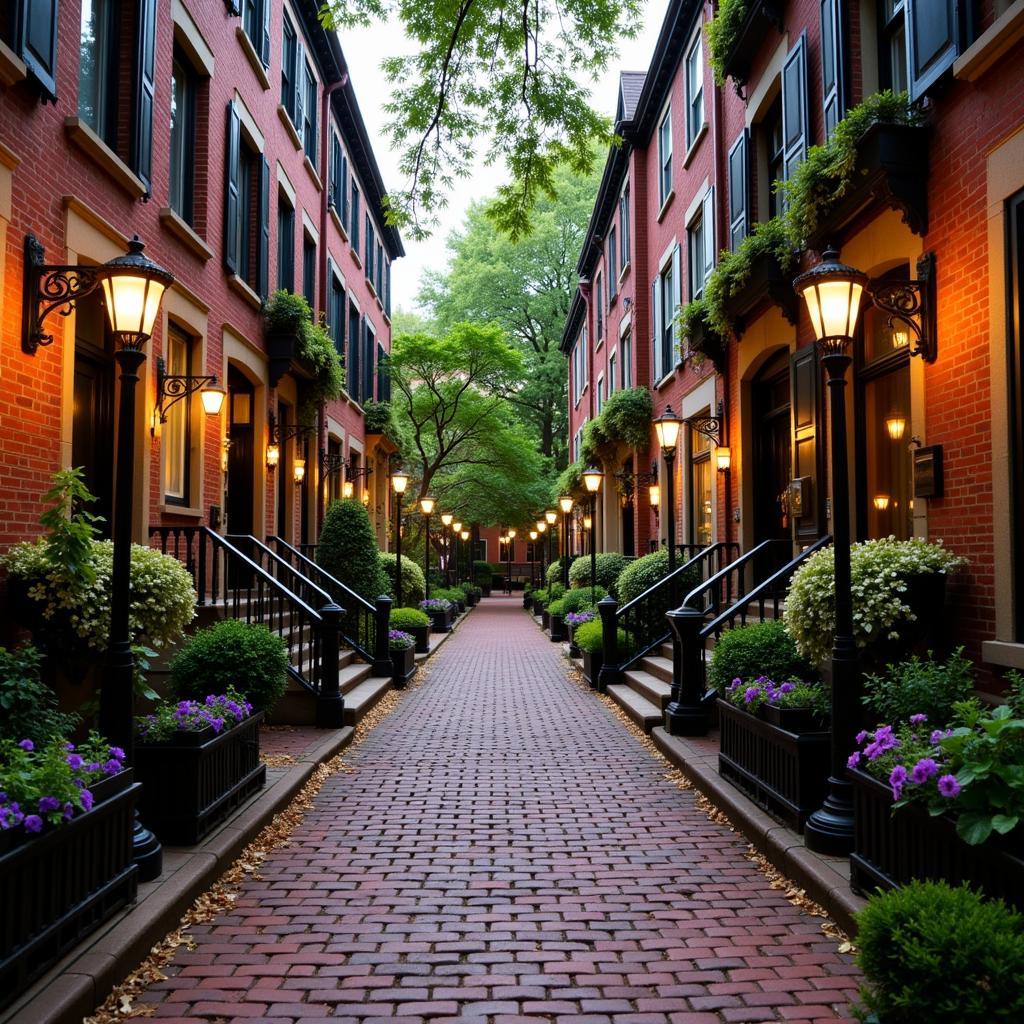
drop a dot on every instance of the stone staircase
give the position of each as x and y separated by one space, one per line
646 689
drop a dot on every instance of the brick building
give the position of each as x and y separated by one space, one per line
695 174
227 135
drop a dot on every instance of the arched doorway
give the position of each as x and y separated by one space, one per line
772 436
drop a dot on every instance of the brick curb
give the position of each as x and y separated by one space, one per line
825 879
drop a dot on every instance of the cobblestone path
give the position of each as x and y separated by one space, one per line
505 851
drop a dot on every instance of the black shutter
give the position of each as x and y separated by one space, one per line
934 40
805 382
383 376
300 86
343 208
145 86
265 41
739 190
794 108
354 326
36 40
833 78
368 346
232 202
233 6
263 263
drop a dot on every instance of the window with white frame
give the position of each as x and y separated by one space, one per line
624 228
611 373
665 156
600 393
599 295
579 366
611 262
577 442
176 432
700 234
665 298
694 91
626 350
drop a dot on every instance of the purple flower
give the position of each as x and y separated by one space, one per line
47 804
861 736
750 694
853 760
112 767
948 786
93 766
75 761
897 779
27 745
69 810
918 719
87 799
923 770
33 823
787 688
936 737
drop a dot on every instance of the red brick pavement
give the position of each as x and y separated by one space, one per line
289 740
505 851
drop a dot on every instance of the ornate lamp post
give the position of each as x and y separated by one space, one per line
833 293
511 534
565 504
446 522
464 534
551 517
399 482
426 507
533 561
667 427
457 529
542 526
592 479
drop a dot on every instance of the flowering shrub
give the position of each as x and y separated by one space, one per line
789 694
435 604
399 641
73 610
756 650
49 784
920 685
880 571
216 712
578 618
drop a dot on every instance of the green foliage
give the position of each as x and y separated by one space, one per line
408 618
589 638
70 526
609 567
942 955
28 707
570 480
219 711
414 583
625 419
557 607
579 600
554 572
348 550
920 686
232 654
702 340
554 592
471 86
760 649
722 31
379 418
483 573
640 575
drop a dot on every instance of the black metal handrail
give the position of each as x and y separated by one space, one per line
719 588
189 546
281 569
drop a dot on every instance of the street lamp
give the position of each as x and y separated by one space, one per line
464 534
833 293
508 551
399 482
457 528
592 479
533 561
565 504
426 507
551 517
446 522
542 527
667 427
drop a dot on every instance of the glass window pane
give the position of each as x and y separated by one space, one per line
700 501
887 455
175 430
94 67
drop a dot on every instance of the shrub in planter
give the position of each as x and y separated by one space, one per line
402 646
749 652
231 654
414 584
483 572
642 574
588 637
792 704
920 686
348 550
440 612
579 600
28 707
609 567
414 622
934 954
881 575
555 572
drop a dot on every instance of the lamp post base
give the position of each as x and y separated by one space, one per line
686 720
829 829
147 853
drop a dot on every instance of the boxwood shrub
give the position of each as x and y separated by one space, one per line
609 567
641 575
482 573
348 550
578 600
408 618
554 573
588 638
760 649
414 584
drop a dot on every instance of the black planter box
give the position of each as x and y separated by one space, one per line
767 282
574 651
404 663
440 620
762 16
784 772
556 623
545 618
58 886
528 601
422 635
538 607
793 719
890 849
472 599
592 667
194 780
461 605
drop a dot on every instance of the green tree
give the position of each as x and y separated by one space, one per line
348 550
526 286
497 76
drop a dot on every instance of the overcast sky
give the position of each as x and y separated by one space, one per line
364 51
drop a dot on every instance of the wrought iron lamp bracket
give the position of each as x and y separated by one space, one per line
49 288
172 388
292 430
353 472
331 462
912 303
708 426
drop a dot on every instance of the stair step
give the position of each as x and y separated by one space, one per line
352 676
665 651
657 666
360 699
638 708
650 687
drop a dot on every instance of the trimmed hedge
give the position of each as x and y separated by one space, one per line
609 567
760 649
588 637
414 584
641 575
408 618
348 550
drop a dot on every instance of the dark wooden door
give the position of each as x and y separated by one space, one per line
92 431
772 451
239 504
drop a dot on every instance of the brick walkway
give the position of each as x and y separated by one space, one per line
506 852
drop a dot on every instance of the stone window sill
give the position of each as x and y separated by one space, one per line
695 145
179 510
242 288
665 205
184 232
252 57
286 120
308 164
12 67
338 224
91 144
992 45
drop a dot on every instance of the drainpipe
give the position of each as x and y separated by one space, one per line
585 292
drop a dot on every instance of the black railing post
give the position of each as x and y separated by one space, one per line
201 569
609 674
330 705
382 665
685 714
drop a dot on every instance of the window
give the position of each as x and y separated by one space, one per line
352 363
936 33
99 57
289 66
246 208
624 226
183 134
579 366
256 25
611 374
310 120
665 297
611 262
794 107
701 246
599 312
700 489
577 442
387 287
626 348
176 433
309 271
369 241
892 46
334 481
369 350
1014 213
739 189
337 311
285 243
379 270
694 91
772 134
354 219
31 31
665 156
383 375
599 397
832 84
337 191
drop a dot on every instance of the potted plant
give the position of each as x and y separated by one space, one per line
440 612
197 760
589 639
556 620
414 622
483 574
66 819
297 343
933 954
403 655
573 620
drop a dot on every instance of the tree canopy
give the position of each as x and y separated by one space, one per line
506 77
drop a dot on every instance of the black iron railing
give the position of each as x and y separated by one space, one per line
189 546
